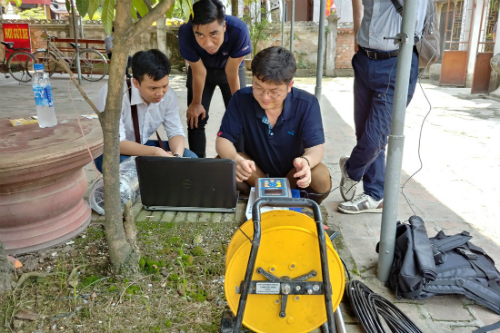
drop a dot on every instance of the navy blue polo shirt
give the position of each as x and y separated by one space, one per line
236 44
299 126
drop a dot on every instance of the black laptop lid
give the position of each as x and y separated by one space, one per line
205 183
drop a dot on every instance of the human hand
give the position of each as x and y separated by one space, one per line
160 152
192 114
244 170
303 173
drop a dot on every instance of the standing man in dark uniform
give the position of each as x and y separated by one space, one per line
214 45
374 67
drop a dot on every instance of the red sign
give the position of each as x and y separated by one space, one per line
17 33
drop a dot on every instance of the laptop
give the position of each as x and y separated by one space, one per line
187 184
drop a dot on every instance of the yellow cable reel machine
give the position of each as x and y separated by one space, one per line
275 268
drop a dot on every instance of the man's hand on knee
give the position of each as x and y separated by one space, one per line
303 173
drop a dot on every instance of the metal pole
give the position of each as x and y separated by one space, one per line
396 143
76 42
268 12
282 2
321 48
292 21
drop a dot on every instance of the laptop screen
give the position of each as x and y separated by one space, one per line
204 184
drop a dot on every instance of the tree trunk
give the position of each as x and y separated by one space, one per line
123 255
234 8
161 35
5 271
124 258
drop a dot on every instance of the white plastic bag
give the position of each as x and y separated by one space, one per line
129 187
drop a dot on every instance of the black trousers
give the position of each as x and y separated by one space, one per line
215 77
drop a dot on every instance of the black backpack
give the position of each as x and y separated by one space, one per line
443 265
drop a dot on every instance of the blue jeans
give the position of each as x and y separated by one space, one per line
153 143
374 83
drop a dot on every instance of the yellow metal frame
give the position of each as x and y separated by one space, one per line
289 247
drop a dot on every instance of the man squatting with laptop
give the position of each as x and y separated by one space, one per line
282 128
156 104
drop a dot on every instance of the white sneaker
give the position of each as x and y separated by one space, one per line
363 203
347 185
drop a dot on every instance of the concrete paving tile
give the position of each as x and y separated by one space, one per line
448 307
228 217
205 217
156 216
97 218
484 315
192 216
240 212
137 207
416 315
378 287
452 327
216 217
168 216
354 328
180 217
143 216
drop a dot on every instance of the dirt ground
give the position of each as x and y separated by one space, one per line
71 290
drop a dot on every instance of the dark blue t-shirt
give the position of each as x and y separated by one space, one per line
298 127
236 44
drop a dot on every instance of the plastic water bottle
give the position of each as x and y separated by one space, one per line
43 98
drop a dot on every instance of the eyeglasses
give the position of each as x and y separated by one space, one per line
273 94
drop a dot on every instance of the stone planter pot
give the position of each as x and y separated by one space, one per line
42 182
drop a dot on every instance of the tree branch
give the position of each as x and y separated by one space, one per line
64 65
148 4
144 23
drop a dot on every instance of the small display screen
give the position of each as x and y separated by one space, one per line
273 191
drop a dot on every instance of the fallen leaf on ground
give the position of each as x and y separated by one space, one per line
28 315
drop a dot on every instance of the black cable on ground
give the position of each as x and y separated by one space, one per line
371 309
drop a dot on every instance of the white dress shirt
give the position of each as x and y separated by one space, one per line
380 19
150 116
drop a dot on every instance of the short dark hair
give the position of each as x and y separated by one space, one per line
207 11
274 64
153 63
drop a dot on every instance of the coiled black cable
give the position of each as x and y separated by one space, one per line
371 308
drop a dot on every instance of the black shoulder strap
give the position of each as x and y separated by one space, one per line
451 242
135 119
133 110
398 6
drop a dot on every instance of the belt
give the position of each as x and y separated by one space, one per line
379 55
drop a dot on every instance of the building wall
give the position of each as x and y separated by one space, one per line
305 42
345 48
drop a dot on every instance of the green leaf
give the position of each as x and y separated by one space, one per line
140 6
133 13
18 3
68 6
93 5
187 8
170 11
82 6
108 15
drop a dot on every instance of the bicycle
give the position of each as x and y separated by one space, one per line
93 64
19 64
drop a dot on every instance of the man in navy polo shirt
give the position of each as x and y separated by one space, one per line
214 45
281 126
